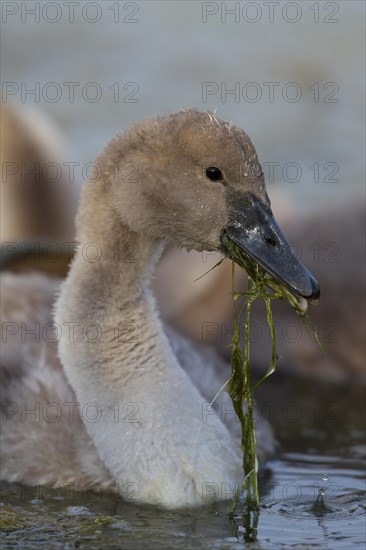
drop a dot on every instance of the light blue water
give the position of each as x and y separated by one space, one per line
168 54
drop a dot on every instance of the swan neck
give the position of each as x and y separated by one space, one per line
111 256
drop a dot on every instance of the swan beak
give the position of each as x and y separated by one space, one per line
254 229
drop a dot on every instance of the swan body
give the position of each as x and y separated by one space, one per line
113 348
43 440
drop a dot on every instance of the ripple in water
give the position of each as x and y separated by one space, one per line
339 507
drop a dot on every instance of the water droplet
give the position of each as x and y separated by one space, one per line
325 477
321 492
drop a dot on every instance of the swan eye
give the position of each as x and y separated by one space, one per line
213 173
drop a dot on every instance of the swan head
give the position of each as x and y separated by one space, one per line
195 180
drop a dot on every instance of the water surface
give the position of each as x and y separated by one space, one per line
322 449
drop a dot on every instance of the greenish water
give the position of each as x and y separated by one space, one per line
320 430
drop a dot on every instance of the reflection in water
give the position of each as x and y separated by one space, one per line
247 523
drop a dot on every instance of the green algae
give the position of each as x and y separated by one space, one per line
11 521
26 521
260 286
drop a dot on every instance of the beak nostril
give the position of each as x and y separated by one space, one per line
270 241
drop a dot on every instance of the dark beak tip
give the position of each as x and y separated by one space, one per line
310 289
315 290
253 228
